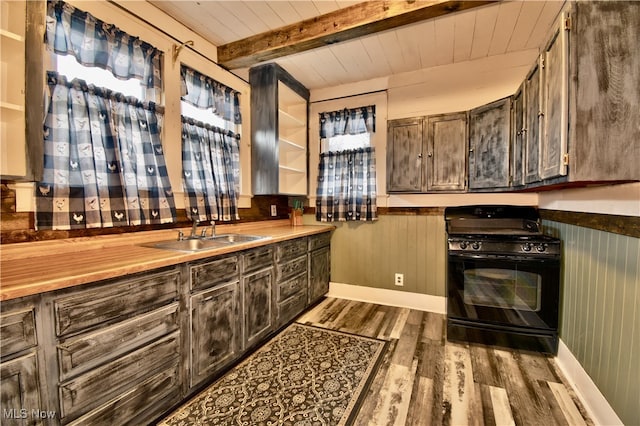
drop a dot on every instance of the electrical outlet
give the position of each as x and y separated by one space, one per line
274 211
399 279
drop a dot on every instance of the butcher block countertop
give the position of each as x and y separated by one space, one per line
38 267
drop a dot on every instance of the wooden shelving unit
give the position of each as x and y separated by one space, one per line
12 94
22 88
279 131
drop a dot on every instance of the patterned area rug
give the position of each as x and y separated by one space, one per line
304 376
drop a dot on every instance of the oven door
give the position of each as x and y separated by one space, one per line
506 290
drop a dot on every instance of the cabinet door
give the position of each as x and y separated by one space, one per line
555 105
404 156
19 391
258 306
447 152
533 115
489 135
319 273
605 41
517 137
215 330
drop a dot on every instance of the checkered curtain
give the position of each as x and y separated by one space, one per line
211 171
103 162
98 44
348 122
347 179
205 93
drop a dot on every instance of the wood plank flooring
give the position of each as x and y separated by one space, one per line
426 380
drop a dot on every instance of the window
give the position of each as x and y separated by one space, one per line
103 164
347 172
210 147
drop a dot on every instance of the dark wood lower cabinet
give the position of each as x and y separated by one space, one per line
19 390
258 308
124 351
215 330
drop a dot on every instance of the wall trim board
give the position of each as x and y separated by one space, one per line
381 296
591 397
616 224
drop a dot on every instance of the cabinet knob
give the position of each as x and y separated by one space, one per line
420 156
430 155
470 150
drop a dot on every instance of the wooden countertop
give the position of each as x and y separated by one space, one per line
38 267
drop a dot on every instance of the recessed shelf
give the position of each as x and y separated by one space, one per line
291 169
289 144
289 120
11 106
11 35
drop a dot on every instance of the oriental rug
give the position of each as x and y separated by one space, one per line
304 376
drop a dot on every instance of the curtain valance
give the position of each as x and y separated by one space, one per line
204 92
98 44
348 122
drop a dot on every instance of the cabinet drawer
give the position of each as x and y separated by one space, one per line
150 399
90 350
321 240
291 249
98 386
114 302
18 331
291 308
291 268
258 258
293 286
218 271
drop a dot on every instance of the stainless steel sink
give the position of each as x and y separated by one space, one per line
236 238
192 245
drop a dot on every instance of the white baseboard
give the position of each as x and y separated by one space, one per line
381 296
599 409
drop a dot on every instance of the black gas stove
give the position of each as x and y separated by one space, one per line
503 277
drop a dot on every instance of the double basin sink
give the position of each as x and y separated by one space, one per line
195 244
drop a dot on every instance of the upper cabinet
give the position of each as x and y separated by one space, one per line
427 154
279 131
554 103
447 142
22 77
489 140
604 138
531 130
405 144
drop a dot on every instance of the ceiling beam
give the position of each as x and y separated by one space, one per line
340 25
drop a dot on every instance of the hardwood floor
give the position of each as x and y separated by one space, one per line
426 380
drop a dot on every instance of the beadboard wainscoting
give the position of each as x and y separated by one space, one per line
369 254
599 314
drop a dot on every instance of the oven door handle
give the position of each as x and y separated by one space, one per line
514 257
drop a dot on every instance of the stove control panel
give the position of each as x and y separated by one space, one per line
504 246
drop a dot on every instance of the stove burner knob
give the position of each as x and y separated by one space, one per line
526 247
475 245
541 248
463 245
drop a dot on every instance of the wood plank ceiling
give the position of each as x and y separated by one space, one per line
483 31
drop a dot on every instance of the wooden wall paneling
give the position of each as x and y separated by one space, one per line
369 254
599 313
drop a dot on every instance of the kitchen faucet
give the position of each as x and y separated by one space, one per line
194 228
